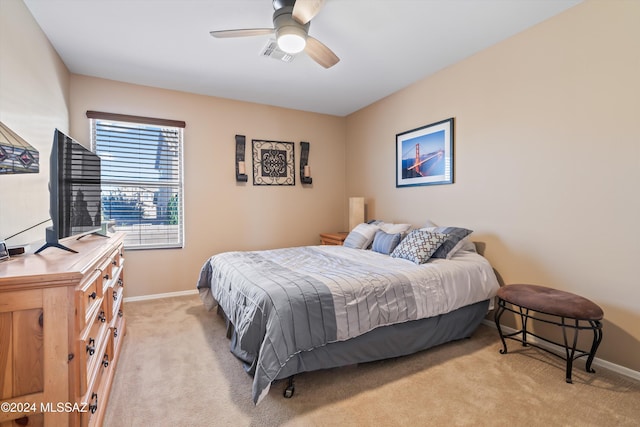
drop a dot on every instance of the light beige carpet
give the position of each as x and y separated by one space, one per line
176 370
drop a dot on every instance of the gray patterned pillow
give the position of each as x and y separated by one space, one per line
361 236
419 245
453 243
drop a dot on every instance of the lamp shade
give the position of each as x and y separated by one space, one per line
16 155
356 211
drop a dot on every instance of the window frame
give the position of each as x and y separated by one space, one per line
135 244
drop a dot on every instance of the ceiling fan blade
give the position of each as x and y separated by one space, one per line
320 53
305 10
223 34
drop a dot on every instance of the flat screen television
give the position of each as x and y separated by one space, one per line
74 192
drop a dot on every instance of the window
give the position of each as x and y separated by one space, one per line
141 176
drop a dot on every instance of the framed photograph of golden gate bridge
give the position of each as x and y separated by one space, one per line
424 156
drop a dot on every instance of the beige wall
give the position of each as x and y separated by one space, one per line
34 88
547 159
221 214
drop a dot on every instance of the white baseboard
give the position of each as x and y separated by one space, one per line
158 296
557 349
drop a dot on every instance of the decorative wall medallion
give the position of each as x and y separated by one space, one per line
273 163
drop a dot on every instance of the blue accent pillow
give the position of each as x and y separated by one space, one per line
385 243
419 246
453 242
361 236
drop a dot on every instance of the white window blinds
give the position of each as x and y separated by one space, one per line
141 177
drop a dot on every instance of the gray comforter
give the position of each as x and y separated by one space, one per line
285 301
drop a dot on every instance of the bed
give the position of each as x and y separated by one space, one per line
300 309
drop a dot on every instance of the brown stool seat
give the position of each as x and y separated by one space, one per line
551 301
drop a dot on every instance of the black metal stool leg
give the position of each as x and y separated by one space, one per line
496 318
523 318
597 338
570 351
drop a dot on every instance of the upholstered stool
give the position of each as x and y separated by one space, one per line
574 311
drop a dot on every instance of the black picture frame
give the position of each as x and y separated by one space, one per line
424 156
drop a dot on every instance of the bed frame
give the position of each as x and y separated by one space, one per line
381 343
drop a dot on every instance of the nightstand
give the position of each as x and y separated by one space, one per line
333 238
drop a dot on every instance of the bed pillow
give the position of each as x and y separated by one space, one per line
391 228
467 245
385 243
454 242
361 236
419 246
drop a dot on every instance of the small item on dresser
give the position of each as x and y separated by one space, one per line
17 250
4 252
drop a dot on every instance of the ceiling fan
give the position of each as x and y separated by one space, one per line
291 21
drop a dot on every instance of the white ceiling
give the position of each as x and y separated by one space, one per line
384 45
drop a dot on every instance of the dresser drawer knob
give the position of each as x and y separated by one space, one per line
120 283
105 277
115 332
105 360
114 262
120 313
115 296
102 317
93 407
93 295
91 346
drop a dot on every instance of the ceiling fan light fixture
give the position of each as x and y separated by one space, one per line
291 39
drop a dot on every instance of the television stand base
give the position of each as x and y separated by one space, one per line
101 233
54 245
52 239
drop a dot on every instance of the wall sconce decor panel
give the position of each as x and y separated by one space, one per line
241 171
305 169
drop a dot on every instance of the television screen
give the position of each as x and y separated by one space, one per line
78 188
74 191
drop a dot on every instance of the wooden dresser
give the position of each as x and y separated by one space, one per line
61 329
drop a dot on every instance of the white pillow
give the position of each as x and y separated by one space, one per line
429 224
361 236
467 245
391 228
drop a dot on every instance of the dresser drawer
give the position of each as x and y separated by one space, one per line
117 330
105 275
93 342
114 298
117 258
95 399
88 299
